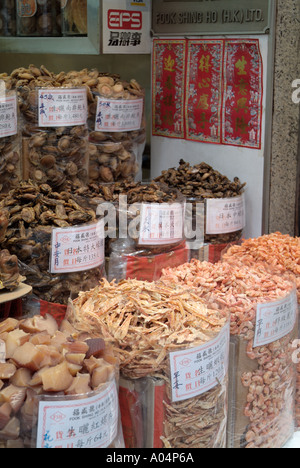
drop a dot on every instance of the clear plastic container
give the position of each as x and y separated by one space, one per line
55 137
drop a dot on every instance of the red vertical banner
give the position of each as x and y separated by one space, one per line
168 84
243 90
204 90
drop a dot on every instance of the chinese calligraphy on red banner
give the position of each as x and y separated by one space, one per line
168 87
208 90
204 90
242 106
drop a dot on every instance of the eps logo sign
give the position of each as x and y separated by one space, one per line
123 19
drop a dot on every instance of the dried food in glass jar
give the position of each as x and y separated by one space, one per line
38 18
34 212
55 137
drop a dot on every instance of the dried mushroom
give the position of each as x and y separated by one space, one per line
33 212
199 183
10 277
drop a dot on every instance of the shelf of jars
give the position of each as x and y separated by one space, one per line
50 26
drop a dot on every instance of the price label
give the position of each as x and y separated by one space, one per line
274 320
225 215
198 370
79 423
161 223
62 107
78 248
8 116
119 115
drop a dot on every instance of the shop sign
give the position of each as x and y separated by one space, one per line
126 26
211 17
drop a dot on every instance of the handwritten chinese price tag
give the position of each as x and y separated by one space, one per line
119 115
79 423
161 223
8 116
78 248
274 320
62 107
224 215
198 370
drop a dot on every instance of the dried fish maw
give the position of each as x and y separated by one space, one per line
29 356
15 339
13 395
74 368
21 377
29 411
75 358
11 431
57 379
80 385
38 324
58 340
79 347
5 412
37 377
92 363
101 375
8 325
7 370
52 357
42 338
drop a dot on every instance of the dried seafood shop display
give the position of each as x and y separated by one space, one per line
281 252
264 325
117 129
148 325
34 214
155 225
222 201
10 142
55 135
45 369
116 125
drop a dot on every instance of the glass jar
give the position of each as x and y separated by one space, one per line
38 18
